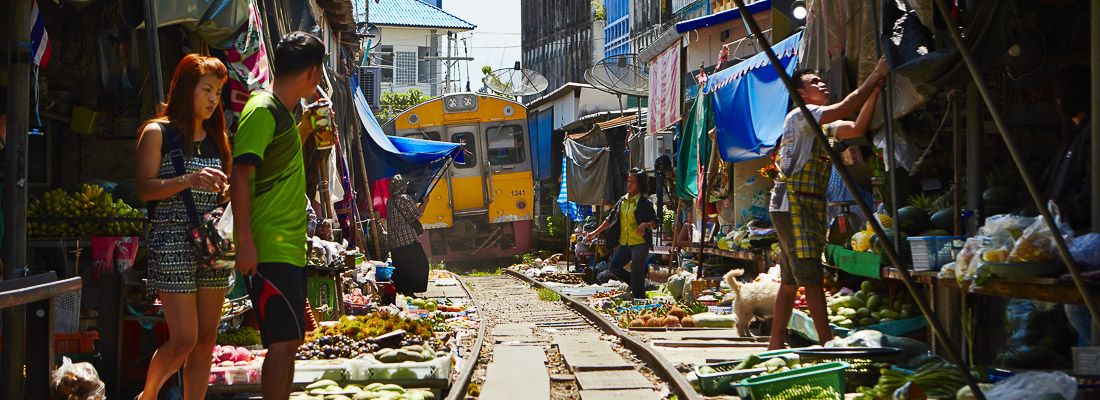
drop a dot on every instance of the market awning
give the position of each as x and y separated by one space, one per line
387 156
732 14
750 103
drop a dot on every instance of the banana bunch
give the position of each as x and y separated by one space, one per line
80 211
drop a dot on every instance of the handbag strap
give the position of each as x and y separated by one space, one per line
175 154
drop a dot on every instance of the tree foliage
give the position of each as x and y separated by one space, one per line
394 103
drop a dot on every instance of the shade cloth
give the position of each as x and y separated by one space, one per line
664 90
420 161
587 172
571 210
750 103
693 146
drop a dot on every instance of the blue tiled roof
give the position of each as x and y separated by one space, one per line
413 13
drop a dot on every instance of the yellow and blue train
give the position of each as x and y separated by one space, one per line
482 207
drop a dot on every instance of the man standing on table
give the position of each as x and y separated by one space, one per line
267 186
798 198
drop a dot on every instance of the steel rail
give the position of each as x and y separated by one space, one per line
850 184
1032 190
661 365
460 386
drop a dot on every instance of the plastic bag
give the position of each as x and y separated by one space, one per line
1040 336
1035 385
1085 250
78 381
1036 244
1005 227
967 258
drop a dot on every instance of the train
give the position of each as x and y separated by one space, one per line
482 207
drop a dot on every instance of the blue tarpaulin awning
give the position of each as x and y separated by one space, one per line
750 103
722 17
387 156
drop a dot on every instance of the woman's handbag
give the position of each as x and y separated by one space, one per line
212 250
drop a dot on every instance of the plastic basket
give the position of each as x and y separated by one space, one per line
67 313
718 383
237 375
1086 361
900 327
383 273
864 364
932 252
829 375
75 342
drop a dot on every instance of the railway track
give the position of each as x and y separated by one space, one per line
535 344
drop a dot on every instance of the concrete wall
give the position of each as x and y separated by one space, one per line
410 40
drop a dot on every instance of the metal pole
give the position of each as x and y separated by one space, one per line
850 185
888 118
1094 10
974 131
15 194
361 162
956 161
156 73
1063 250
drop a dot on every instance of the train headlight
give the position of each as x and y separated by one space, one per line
521 204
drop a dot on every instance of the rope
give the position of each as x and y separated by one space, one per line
928 150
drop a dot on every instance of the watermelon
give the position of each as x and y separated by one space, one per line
912 220
944 219
999 196
876 246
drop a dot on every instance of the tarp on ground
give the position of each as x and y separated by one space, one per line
420 161
750 103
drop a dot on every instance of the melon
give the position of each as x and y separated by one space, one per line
912 220
944 219
905 254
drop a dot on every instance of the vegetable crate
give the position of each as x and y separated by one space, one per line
718 383
76 342
829 376
930 253
864 364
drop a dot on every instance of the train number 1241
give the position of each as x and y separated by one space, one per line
519 192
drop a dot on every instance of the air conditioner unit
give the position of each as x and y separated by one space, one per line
370 83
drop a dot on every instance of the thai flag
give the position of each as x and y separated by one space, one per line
40 40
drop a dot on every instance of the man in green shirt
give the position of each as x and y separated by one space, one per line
267 186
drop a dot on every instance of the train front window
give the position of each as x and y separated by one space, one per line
469 149
425 135
505 144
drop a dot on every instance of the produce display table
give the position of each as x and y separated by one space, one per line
434 384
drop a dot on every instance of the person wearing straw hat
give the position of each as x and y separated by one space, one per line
403 229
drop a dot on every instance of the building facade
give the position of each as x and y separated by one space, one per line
560 39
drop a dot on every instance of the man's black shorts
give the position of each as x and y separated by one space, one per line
278 293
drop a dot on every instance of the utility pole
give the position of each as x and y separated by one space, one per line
450 40
15 194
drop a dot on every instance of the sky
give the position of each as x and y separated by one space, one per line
496 40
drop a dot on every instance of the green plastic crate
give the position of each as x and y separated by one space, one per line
719 383
828 375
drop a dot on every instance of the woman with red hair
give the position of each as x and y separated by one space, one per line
193 122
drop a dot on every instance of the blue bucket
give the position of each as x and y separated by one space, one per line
382 273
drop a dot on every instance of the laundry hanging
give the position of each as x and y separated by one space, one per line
750 103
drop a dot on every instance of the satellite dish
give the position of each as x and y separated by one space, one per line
369 33
619 75
515 81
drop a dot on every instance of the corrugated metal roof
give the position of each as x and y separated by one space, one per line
732 14
413 13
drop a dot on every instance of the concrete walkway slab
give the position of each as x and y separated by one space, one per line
612 380
516 369
632 394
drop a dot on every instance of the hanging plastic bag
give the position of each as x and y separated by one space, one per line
78 381
225 224
1085 250
1036 245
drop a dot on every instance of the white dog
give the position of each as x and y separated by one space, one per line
753 299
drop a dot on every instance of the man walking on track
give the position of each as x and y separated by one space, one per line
267 186
798 198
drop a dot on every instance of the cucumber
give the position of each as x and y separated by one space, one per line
391 388
749 362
